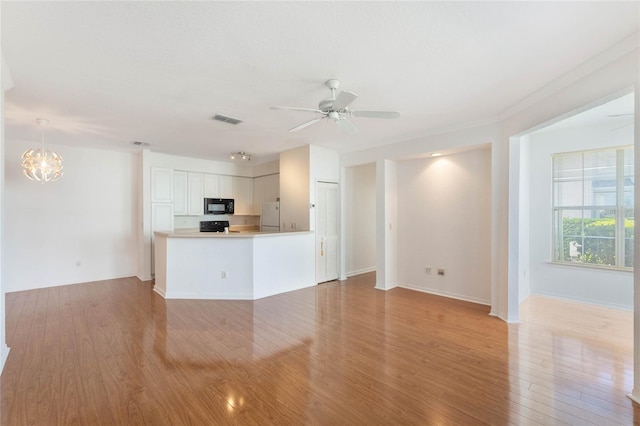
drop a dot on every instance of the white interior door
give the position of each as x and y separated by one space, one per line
326 231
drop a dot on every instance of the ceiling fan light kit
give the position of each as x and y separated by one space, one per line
336 109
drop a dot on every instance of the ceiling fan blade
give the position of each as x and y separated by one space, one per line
343 100
347 126
296 109
305 124
375 114
620 127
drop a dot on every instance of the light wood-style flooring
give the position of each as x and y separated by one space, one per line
341 353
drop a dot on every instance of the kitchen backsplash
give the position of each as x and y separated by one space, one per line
186 222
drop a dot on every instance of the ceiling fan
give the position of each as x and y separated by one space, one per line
335 108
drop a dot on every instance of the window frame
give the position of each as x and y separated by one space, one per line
620 217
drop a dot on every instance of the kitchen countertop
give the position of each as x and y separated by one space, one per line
195 233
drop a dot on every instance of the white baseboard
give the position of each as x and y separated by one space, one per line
584 301
360 271
61 283
159 291
144 277
462 297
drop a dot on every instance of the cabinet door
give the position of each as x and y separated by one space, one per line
243 195
161 185
226 186
211 186
180 193
161 217
195 207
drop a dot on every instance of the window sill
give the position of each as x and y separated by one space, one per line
591 266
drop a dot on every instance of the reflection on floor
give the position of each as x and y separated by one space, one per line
114 352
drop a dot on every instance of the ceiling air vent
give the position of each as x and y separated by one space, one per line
227 119
138 143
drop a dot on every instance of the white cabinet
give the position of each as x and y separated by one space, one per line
265 188
161 185
211 186
226 186
187 193
195 205
161 217
180 193
243 195
190 188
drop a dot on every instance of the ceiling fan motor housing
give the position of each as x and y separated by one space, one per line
326 104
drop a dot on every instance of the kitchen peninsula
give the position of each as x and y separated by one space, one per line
245 265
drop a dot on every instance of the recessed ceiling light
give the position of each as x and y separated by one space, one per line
138 143
436 154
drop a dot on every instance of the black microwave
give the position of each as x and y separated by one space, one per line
218 205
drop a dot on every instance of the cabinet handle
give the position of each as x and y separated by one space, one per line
321 246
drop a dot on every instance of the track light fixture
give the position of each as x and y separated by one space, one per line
241 155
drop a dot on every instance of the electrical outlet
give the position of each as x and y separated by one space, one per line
223 275
427 269
440 271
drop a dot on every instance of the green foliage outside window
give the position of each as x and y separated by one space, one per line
597 240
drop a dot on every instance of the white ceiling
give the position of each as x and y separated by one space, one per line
109 73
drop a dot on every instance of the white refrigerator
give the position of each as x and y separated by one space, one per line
270 217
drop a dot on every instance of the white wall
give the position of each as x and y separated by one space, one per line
598 286
324 166
5 84
87 216
526 233
264 169
295 189
200 165
444 222
359 185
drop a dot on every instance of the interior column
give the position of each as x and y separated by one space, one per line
386 224
635 393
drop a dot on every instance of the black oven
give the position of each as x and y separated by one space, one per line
218 205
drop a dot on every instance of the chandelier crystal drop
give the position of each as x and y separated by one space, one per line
41 164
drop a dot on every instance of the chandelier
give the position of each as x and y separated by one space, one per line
39 164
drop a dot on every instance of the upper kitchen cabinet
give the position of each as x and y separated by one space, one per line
211 186
180 196
161 185
243 194
226 187
195 206
187 193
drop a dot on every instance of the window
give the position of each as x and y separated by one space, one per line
593 207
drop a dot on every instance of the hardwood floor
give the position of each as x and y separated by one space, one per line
114 352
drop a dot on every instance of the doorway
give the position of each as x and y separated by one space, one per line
572 201
326 231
